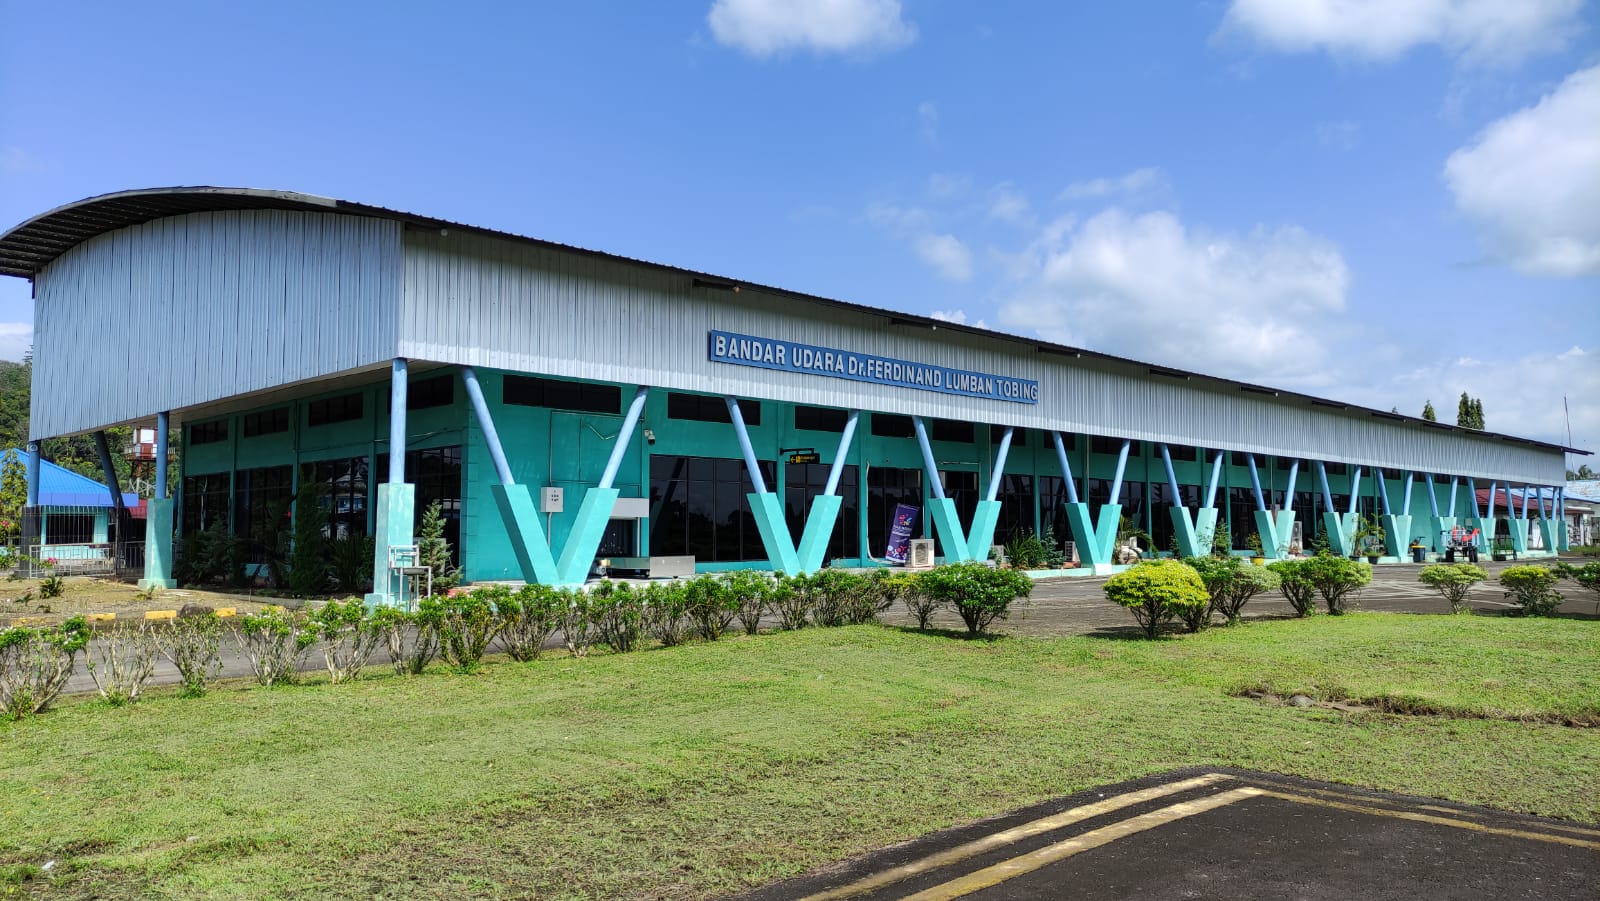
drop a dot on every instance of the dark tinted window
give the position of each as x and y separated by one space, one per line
820 419
266 422
344 408
703 408
531 391
885 425
951 430
209 432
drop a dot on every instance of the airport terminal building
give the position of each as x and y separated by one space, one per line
399 360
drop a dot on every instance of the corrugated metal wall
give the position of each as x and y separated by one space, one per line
480 301
190 309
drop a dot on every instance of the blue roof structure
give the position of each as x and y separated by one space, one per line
61 487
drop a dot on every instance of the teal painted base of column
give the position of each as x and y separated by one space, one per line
1095 540
1548 529
395 512
1563 537
818 532
577 556
1275 530
980 537
1440 539
1187 532
1341 531
774 532
1519 534
1205 531
952 537
158 545
528 542
1396 535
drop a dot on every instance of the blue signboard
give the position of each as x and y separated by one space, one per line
790 356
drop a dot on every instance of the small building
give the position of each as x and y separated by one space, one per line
1582 507
561 404
74 517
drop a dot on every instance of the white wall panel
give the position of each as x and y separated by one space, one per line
482 301
196 308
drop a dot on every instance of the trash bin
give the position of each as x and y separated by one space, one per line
1419 554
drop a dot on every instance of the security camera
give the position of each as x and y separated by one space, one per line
649 437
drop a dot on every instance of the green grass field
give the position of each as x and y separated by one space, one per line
710 768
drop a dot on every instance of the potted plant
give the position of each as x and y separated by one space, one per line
1256 556
1369 537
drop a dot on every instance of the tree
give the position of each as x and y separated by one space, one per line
1427 411
1584 473
434 549
1469 412
13 495
308 556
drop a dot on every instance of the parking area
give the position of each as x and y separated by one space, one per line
1226 834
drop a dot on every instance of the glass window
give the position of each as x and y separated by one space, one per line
961 487
1019 436
436 473
582 397
951 430
1240 458
805 481
205 501
705 408
266 422
209 432
698 506
1016 507
435 391
342 494
1101 444
887 488
329 410
820 419
886 425
263 502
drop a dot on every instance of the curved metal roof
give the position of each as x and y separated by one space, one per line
32 245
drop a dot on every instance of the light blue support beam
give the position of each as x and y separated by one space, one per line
1066 468
764 504
1000 465
1488 528
1172 476
1396 528
1563 537
928 464
158 520
736 416
1355 489
32 466
1255 482
1405 501
1194 534
1216 477
397 420
491 437
1383 491
111 474
1433 497
1472 497
1455 488
1441 525
1288 492
1339 527
1116 480
624 435
1322 481
839 458
163 425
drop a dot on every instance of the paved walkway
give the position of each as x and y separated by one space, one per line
1217 833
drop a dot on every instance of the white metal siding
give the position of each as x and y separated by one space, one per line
481 301
196 308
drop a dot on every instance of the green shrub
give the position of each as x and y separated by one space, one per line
1246 584
876 592
618 611
1294 583
980 594
1055 556
308 555
1025 550
919 603
124 658
352 560
1218 574
664 604
1336 579
1454 581
578 624
528 619
1157 591
749 591
791 600
1587 576
829 594
35 665
468 622
1532 589
709 605
52 586
193 645
413 638
275 642
433 550
349 636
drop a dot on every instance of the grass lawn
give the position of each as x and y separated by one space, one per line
710 768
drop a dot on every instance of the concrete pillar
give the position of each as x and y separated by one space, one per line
159 521
396 503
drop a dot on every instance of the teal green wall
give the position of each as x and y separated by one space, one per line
569 450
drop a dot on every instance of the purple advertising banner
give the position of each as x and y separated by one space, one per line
905 522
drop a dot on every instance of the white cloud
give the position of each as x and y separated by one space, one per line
1136 182
15 339
928 117
1532 181
897 218
959 317
1498 31
1521 396
947 255
764 28
1342 135
1249 306
1007 204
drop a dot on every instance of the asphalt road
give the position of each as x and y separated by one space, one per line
1218 833
1065 606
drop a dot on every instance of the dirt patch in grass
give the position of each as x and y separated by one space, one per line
21 603
1403 706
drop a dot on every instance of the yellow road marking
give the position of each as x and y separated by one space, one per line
161 614
1024 864
1435 820
1011 836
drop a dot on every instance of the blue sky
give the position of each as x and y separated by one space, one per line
1383 202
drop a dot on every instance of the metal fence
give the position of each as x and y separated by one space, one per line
79 541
